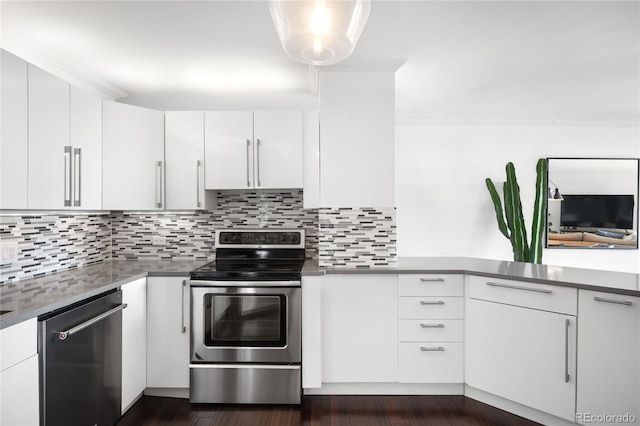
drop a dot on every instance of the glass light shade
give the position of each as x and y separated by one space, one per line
319 32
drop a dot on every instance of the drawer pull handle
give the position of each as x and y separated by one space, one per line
431 349
567 323
617 302
426 302
423 325
432 280
517 287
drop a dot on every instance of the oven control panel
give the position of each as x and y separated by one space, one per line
260 238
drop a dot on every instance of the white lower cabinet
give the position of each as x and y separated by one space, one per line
431 330
19 379
518 353
168 309
359 328
312 331
608 358
134 342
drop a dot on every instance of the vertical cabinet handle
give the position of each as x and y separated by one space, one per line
567 323
258 162
67 176
183 325
159 184
77 181
248 164
198 172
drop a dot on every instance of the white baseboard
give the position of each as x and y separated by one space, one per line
168 392
515 408
386 389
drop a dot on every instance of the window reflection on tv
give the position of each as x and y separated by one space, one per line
597 211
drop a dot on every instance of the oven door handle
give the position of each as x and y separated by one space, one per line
244 366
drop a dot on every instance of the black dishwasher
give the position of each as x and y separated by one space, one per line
80 358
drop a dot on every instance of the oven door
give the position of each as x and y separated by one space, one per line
245 324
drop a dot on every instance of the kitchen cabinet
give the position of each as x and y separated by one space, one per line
168 307
184 150
430 328
311 154
251 150
19 382
359 328
134 342
65 143
133 157
14 154
312 331
49 155
85 139
524 351
608 356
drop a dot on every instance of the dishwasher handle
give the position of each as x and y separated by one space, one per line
64 334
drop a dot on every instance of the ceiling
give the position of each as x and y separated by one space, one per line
467 62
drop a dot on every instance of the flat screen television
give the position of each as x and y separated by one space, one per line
597 211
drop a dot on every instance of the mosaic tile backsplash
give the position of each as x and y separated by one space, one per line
357 237
51 243
338 237
178 236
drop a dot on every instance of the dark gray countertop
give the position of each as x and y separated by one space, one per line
30 298
589 279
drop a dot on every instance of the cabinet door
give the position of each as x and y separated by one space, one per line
524 355
134 341
228 150
312 331
167 332
49 155
133 157
19 394
608 355
86 141
278 149
14 153
184 148
360 328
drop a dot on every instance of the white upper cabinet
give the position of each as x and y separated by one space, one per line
86 144
64 158
278 149
133 157
14 145
184 150
250 150
50 158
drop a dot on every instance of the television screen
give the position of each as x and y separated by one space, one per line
597 211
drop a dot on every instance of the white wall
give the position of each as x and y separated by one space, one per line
444 208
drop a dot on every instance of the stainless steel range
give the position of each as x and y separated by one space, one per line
246 319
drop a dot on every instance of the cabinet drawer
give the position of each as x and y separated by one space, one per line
436 362
430 285
526 294
430 308
18 343
431 331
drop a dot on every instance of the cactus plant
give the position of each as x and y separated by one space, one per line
513 228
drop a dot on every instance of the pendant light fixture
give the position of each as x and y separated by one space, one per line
319 32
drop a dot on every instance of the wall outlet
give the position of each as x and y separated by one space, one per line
8 252
158 240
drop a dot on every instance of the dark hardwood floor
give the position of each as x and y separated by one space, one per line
334 410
